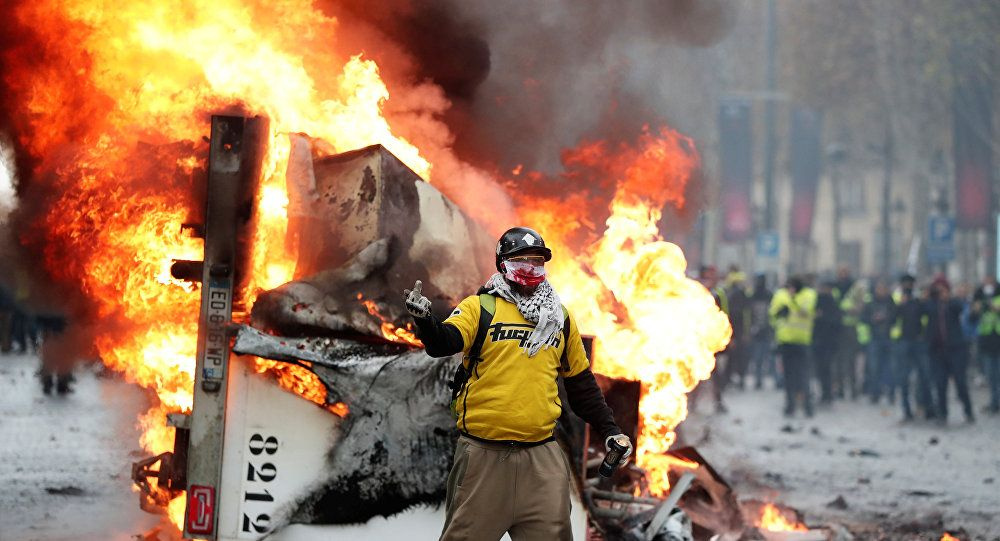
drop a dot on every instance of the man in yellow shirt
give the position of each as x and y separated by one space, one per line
509 474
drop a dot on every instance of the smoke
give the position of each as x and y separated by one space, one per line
438 42
486 88
528 79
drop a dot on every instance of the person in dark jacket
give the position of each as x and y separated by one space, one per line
949 354
911 354
761 336
826 332
880 315
738 350
7 307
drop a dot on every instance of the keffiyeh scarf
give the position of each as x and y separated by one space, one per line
543 308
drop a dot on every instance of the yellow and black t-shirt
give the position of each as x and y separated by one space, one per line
511 396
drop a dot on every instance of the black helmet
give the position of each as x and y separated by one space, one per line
520 239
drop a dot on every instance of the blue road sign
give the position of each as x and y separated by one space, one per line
940 239
768 244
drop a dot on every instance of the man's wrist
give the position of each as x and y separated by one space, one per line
611 432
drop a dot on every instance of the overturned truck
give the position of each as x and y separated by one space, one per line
257 461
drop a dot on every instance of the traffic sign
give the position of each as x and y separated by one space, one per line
940 239
768 244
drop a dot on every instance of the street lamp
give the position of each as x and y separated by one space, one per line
836 155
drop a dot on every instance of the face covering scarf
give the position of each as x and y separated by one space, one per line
543 308
525 274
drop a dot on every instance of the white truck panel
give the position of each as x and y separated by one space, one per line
275 447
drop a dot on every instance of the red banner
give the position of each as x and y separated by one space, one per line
806 157
736 180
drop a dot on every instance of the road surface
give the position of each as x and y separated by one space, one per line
65 460
898 480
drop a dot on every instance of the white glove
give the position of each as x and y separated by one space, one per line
416 304
620 439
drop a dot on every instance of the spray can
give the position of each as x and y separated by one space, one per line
615 452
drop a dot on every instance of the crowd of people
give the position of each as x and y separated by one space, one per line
823 340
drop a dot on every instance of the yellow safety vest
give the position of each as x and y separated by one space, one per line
896 332
863 329
989 323
796 326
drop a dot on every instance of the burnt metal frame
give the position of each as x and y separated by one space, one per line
231 191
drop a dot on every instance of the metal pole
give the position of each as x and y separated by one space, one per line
770 139
837 205
886 201
233 170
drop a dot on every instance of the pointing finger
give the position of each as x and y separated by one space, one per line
417 286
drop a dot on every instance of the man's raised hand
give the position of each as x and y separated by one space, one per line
417 304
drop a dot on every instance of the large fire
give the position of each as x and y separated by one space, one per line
664 327
115 116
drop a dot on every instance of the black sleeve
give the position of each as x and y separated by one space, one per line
440 339
587 401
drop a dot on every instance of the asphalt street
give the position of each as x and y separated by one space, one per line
859 464
65 460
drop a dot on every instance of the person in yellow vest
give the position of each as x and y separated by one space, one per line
981 297
987 314
858 335
509 474
845 361
708 276
879 315
792 311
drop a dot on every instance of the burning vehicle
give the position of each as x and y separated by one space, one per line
249 459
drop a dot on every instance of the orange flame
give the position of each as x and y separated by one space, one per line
116 118
773 520
391 332
948 537
176 508
629 289
299 380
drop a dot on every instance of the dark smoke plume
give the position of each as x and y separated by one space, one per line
527 79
